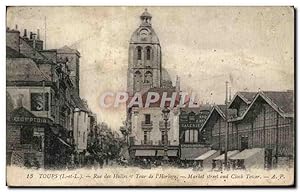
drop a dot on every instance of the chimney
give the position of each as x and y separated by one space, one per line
13 39
25 33
34 40
229 94
38 34
16 27
30 37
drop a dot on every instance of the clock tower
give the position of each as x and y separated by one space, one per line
144 59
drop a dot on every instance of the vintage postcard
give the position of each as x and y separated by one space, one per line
150 96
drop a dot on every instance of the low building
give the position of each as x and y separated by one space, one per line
267 123
192 143
263 120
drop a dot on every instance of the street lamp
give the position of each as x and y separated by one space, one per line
166 113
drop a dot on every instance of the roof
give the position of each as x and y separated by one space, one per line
11 53
78 101
67 49
206 155
221 110
191 153
146 14
229 154
247 153
280 101
283 100
246 97
24 69
32 53
21 112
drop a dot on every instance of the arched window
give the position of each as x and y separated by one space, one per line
139 53
137 80
148 77
148 53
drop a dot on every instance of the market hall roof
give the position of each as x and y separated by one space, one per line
281 101
244 96
219 110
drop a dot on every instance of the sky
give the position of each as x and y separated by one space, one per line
251 47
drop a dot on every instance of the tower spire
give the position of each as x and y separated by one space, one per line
146 18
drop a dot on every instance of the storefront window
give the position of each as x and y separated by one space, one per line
191 136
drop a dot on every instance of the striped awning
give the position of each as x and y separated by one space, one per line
206 155
145 153
229 154
171 153
247 153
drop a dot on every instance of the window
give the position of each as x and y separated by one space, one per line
148 77
191 136
38 100
146 137
163 137
83 138
139 53
147 119
148 53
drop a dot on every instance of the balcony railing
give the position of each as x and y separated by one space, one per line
147 125
143 142
163 142
162 124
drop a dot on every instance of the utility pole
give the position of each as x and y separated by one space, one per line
226 127
45 33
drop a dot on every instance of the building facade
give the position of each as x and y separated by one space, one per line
43 85
193 143
147 135
262 121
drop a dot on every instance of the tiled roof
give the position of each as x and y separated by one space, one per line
249 96
24 69
231 112
66 49
284 100
11 53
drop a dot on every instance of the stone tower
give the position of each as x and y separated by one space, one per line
144 61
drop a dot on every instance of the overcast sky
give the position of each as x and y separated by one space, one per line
253 48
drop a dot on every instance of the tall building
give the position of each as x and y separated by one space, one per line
147 132
144 59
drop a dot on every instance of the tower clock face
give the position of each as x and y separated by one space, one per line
144 34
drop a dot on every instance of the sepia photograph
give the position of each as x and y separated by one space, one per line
150 96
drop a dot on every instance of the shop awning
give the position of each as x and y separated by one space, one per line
145 153
247 153
171 153
191 153
206 155
229 154
63 142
